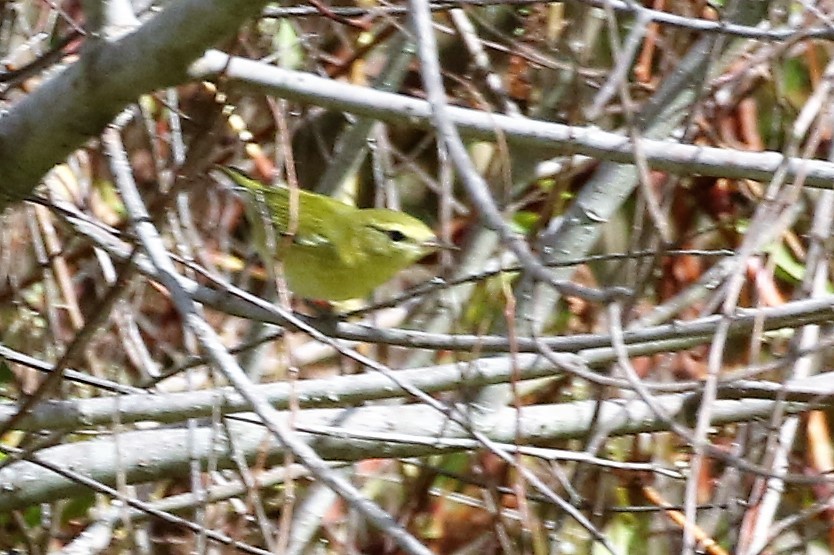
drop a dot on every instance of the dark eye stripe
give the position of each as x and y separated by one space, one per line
395 235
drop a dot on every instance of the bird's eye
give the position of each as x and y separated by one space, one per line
395 235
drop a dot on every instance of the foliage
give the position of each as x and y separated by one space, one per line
617 357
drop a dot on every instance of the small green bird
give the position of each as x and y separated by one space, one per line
337 251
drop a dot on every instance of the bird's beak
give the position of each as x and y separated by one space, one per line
437 243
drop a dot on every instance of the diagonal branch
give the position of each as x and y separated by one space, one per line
74 106
665 155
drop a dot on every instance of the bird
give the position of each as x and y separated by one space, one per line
331 250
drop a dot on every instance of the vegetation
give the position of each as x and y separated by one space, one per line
626 352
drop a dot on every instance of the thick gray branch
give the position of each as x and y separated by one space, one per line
412 430
528 133
74 106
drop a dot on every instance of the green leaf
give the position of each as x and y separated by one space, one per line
286 43
6 374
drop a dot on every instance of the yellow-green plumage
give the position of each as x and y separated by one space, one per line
336 251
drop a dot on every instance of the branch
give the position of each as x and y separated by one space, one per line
74 106
668 156
349 435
